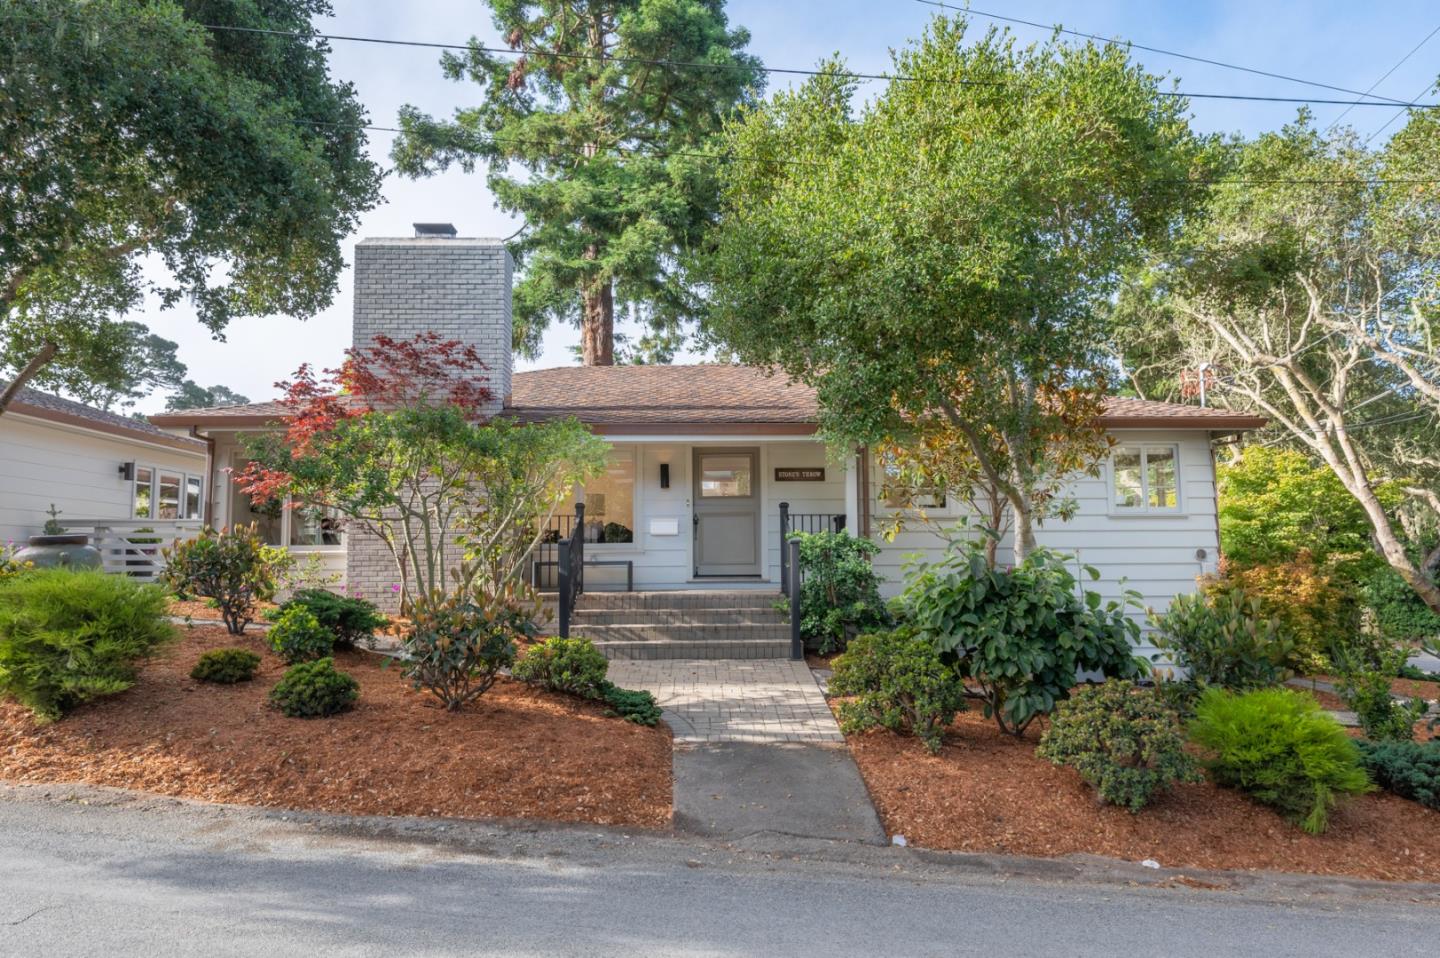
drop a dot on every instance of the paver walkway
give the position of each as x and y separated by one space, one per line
730 700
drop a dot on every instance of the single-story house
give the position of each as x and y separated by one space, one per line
705 457
105 473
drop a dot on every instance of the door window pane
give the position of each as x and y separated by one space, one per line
192 497
169 496
723 477
144 480
1128 473
1160 477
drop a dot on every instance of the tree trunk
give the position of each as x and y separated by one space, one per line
597 326
1024 528
47 352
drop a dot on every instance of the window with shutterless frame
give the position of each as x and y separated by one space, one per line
1144 478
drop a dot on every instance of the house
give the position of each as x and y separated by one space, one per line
107 474
707 457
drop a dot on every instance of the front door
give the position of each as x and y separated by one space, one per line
727 512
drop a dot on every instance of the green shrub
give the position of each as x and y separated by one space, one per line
840 592
297 636
1408 769
1020 635
573 666
1312 608
314 690
1279 747
1400 615
898 682
457 647
234 567
1222 640
633 705
1123 740
226 666
1366 692
351 621
68 636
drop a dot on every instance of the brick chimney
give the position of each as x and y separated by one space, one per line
458 287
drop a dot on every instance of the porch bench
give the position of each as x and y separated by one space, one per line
629 565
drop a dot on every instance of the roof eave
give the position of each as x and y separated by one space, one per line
22 408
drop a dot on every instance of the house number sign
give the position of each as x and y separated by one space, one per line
800 475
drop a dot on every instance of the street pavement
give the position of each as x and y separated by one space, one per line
83 875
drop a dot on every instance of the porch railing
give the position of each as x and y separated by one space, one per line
570 568
792 592
802 522
133 546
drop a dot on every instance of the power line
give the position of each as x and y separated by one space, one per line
1398 114
846 74
1159 50
1415 49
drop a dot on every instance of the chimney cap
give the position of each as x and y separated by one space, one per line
435 229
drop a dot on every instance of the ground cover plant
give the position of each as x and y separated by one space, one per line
1124 741
226 666
1408 769
840 591
233 567
1222 639
314 690
67 637
297 636
1019 636
896 680
1280 748
576 667
350 619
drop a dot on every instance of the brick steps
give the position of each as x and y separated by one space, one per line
683 625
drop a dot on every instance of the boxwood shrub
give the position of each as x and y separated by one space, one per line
352 621
226 666
297 636
314 690
898 682
573 666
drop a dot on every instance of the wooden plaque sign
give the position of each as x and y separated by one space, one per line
809 474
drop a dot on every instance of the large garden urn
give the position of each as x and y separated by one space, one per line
67 549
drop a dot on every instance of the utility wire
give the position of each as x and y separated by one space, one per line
1162 52
698 64
1415 49
1398 114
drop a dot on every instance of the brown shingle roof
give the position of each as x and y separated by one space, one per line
703 398
31 402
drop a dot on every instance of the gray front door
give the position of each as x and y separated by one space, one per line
727 512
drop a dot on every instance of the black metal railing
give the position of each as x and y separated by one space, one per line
802 522
570 568
791 549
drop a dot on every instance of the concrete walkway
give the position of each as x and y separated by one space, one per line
757 751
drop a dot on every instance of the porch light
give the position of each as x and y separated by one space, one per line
664 475
127 471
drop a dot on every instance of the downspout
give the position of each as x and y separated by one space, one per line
207 501
862 463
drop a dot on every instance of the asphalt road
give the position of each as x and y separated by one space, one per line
161 879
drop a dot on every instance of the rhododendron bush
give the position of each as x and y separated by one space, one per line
396 442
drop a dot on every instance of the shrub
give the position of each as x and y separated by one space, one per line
1366 692
297 636
314 690
458 647
1408 769
1123 740
226 666
898 682
573 666
840 592
352 621
1400 615
632 705
1279 747
1312 608
1020 635
68 636
1222 639
234 567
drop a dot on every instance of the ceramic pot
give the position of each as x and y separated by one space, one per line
72 549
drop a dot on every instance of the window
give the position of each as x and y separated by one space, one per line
609 502
168 498
193 505
725 477
1144 478
310 526
144 490
897 493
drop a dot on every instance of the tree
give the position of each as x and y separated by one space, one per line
191 395
394 442
940 254
106 363
1310 283
130 132
603 108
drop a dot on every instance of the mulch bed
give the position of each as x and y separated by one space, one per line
989 792
518 752
200 610
1429 691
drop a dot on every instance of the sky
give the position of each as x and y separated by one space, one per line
1346 44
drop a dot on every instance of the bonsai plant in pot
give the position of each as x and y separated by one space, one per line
56 546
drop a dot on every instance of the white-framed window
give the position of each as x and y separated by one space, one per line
299 528
165 494
1144 478
897 494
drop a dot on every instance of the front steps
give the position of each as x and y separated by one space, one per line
683 625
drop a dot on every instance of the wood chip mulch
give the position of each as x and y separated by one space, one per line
200 610
989 792
518 752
